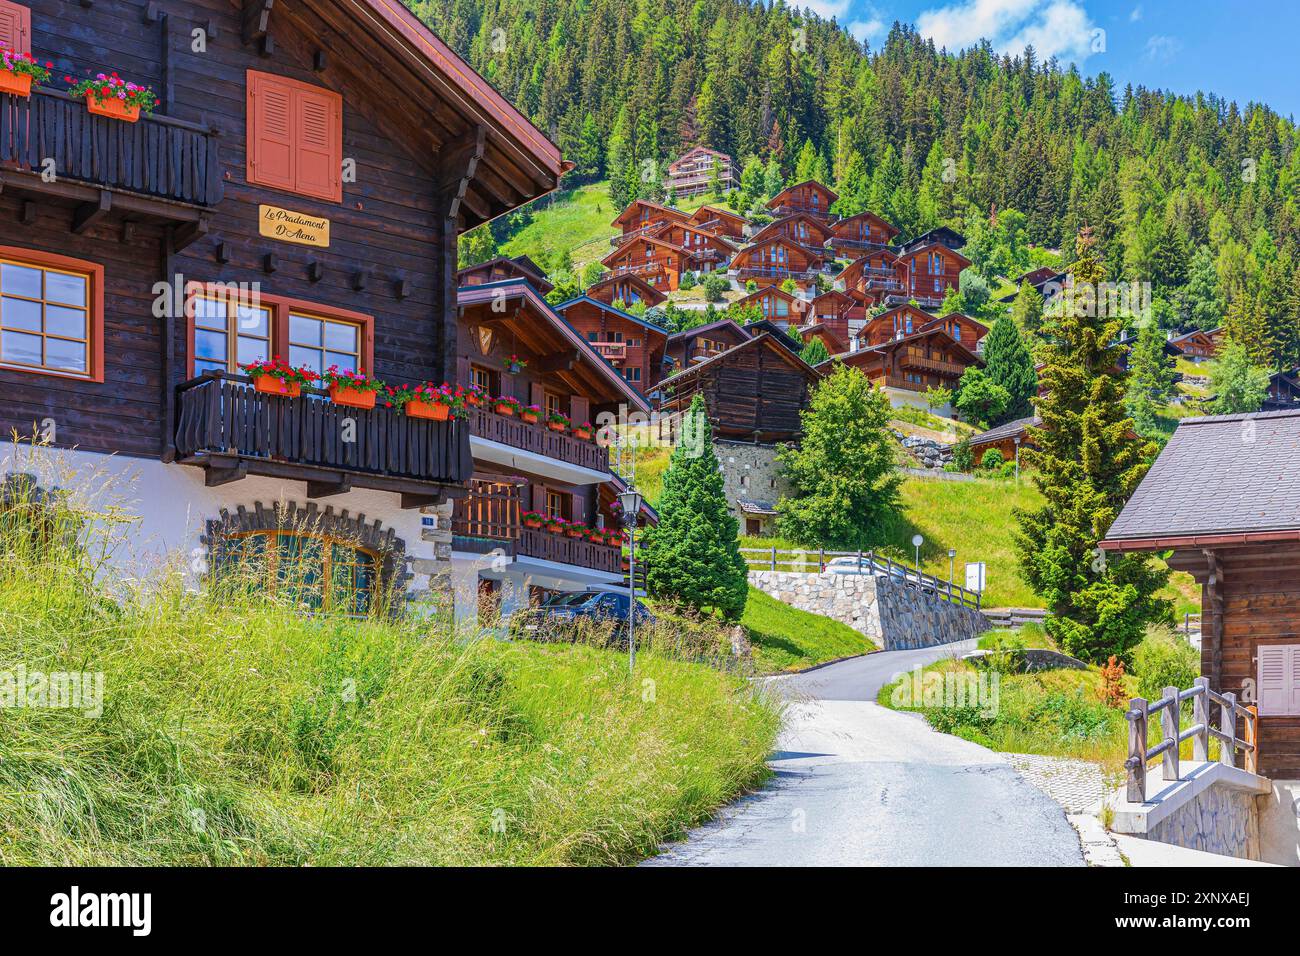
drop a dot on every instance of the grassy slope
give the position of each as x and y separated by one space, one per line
785 638
578 222
241 732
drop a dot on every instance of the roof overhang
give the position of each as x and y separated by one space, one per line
1217 540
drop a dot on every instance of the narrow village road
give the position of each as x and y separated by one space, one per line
858 784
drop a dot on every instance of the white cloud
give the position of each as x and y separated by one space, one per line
1162 49
867 29
1136 15
1060 28
826 8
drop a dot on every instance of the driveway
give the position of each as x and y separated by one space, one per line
857 784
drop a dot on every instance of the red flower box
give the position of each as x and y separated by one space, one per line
273 386
113 108
354 397
16 84
433 410
504 410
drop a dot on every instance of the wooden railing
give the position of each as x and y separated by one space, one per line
156 156
537 438
223 415
775 272
565 550
645 230
916 358
838 242
1169 707
489 512
866 562
640 269
614 351
790 208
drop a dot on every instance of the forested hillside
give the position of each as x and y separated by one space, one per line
1195 195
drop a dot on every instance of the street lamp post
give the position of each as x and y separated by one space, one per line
952 565
630 501
917 540
1017 441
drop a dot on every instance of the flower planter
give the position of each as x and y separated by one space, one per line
582 433
504 410
113 108
529 417
532 524
554 529
431 410
555 426
353 397
273 386
16 84
575 534
596 539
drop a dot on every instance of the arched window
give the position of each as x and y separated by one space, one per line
318 570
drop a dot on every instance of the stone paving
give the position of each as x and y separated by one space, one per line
1076 785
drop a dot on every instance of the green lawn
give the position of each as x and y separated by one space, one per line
578 221
785 638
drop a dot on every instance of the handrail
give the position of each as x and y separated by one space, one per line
1169 707
895 570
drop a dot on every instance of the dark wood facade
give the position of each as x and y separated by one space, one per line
809 197
703 342
853 236
914 362
633 346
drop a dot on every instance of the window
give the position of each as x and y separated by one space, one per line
557 504
51 314
321 572
317 343
552 403
227 334
15 27
295 136
484 378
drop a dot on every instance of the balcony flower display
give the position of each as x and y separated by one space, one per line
584 431
505 405
475 395
110 95
437 402
351 388
533 519
515 365
278 377
576 529
557 422
596 536
554 525
18 71
531 414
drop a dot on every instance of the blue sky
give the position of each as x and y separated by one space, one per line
1243 52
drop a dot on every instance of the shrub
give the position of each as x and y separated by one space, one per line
1164 659
963 458
687 281
1111 690
992 460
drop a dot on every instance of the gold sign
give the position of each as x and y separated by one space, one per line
485 337
289 226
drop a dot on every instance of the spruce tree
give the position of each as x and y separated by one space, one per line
1027 310
814 352
1150 378
692 557
1087 464
1007 362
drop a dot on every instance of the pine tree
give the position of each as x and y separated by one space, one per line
1087 465
590 152
1150 378
1027 310
1008 363
842 474
814 352
1238 382
1199 302
692 557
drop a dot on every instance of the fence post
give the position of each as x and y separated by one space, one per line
821 560
1228 727
1201 715
1137 750
1251 760
1170 719
773 557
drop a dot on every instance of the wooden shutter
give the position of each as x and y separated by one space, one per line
1279 680
579 409
537 395
15 27
295 136
464 371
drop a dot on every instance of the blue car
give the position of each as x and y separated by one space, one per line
561 616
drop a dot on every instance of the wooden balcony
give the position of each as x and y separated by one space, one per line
228 427
779 273
790 208
614 351
640 269
645 230
916 358
537 438
159 166
856 245
565 550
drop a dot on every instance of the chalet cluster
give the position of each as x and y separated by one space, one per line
292 207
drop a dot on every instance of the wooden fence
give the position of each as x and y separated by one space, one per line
867 562
1169 707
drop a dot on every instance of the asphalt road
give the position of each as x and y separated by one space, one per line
857 784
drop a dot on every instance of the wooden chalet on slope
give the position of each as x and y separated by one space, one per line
774 260
655 261
633 346
969 332
809 197
1005 438
802 229
754 391
904 368
642 217
1199 345
706 252
692 173
895 323
827 334
943 235
502 268
931 271
628 289
702 342
854 236
236 183
720 222
1283 391
874 276
776 304
1222 496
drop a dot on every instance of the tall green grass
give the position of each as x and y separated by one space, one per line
239 729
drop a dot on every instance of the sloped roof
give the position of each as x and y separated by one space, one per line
1008 430
612 310
669 210
1225 476
765 340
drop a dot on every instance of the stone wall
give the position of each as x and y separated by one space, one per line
1219 820
892 615
750 472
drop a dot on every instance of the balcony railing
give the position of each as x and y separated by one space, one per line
565 550
790 208
537 438
640 269
226 425
775 272
916 358
645 230
840 242
157 156
614 351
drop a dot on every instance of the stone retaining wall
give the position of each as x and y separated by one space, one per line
893 615
1219 820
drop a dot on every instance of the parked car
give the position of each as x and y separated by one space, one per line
561 617
850 564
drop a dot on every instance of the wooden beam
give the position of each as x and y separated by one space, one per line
1212 637
412 501
190 233
216 476
255 21
459 166
90 213
327 489
558 362
167 346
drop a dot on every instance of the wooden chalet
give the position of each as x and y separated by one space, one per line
720 222
692 173
969 332
801 228
830 337
655 261
1283 391
1129 342
1222 496
1046 282
904 368
706 252
944 236
930 272
293 206
502 268
874 276
895 323
754 391
1005 439
1199 345
643 217
781 307
809 197
703 342
838 311
773 261
628 289
853 236
522 466
633 346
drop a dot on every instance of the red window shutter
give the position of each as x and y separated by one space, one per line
295 136
318 122
270 131
15 27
